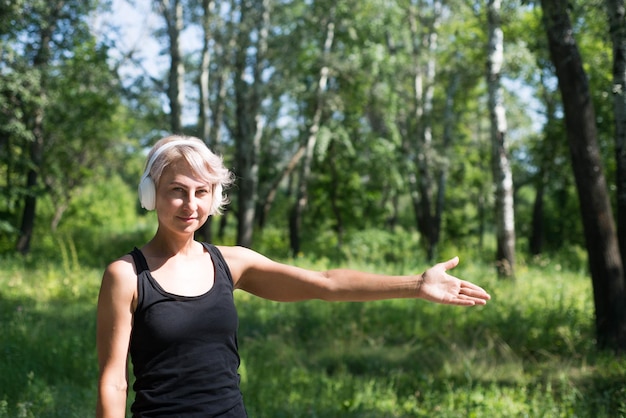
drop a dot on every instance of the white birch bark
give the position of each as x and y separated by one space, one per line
172 12
502 176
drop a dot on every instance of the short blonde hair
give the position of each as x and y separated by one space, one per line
206 164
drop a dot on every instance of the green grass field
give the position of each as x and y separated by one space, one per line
529 353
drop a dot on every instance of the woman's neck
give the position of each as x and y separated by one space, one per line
168 245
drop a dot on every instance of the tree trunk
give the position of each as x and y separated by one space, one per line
32 181
173 15
249 127
449 117
273 189
217 114
40 62
502 176
424 199
305 173
548 149
616 10
605 263
204 109
535 242
335 198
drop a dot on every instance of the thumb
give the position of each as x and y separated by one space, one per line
452 263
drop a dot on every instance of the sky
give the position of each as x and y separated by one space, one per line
136 24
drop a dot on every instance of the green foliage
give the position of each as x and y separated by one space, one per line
90 233
57 107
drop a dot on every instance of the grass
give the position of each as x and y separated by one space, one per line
47 346
528 353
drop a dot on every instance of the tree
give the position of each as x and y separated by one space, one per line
172 12
250 62
295 221
43 36
502 175
41 60
79 136
207 18
420 137
616 10
605 263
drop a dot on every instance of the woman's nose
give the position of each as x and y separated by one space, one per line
190 201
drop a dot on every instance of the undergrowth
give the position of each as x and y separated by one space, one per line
529 353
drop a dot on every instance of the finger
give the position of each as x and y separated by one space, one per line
475 293
452 263
472 286
460 301
468 300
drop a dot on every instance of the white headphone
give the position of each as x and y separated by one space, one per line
147 188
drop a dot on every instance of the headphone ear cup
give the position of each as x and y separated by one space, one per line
147 193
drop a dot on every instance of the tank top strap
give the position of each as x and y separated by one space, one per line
140 261
216 254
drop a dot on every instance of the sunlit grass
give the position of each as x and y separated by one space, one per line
529 353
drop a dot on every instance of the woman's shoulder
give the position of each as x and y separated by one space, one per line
239 259
122 264
121 274
237 254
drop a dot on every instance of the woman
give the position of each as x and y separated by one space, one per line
169 305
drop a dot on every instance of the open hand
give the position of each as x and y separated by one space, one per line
438 286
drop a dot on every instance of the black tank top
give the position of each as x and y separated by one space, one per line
184 349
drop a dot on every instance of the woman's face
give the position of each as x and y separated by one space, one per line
183 199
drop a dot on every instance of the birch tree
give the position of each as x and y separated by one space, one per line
204 106
172 13
501 167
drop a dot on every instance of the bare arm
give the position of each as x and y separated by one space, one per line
114 324
263 277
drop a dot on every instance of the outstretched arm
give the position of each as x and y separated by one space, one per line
263 277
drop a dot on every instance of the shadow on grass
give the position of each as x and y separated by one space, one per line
48 361
407 358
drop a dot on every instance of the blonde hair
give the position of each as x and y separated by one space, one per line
207 165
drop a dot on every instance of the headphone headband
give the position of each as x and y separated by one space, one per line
164 148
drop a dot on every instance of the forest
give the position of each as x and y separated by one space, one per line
378 134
